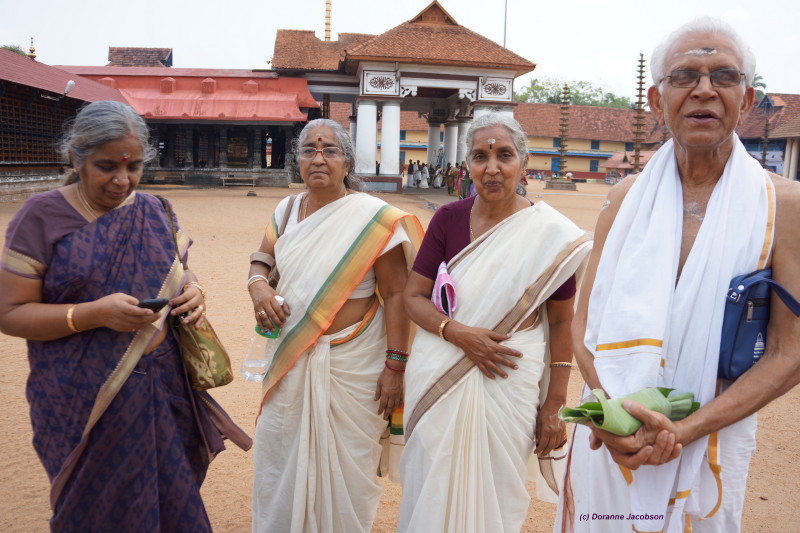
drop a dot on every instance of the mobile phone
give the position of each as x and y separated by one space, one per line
153 303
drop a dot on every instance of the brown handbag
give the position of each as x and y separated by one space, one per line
206 360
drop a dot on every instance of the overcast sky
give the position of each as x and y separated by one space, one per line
593 40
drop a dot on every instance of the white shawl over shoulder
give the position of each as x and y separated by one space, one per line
644 330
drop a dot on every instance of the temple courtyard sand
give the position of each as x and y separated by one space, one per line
227 226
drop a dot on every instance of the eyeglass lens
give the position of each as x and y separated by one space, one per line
725 77
329 152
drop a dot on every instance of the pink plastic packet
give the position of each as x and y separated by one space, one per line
444 292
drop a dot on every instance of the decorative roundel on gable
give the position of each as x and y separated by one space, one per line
495 89
381 83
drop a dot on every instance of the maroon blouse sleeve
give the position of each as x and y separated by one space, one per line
41 222
431 251
565 291
447 235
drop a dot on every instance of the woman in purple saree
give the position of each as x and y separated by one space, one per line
76 262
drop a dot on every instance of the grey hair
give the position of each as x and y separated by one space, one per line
351 181
702 25
98 123
492 118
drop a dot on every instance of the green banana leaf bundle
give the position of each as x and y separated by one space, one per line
608 414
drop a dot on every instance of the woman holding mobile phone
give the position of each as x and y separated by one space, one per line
79 266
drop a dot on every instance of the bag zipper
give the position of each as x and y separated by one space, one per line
760 302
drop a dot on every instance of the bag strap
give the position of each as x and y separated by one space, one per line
275 276
286 214
171 217
785 296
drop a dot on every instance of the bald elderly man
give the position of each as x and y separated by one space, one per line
667 244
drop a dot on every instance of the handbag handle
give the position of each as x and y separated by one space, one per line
765 276
784 295
275 276
286 214
171 218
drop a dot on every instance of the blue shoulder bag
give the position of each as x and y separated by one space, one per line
744 324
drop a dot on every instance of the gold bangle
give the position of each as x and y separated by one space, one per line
70 323
202 290
441 328
256 279
561 365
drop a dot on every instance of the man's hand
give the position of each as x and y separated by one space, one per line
655 443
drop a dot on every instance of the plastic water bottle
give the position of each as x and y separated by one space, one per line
260 351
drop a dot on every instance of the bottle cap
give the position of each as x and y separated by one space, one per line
270 334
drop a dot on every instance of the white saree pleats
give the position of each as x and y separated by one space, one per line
470 451
317 439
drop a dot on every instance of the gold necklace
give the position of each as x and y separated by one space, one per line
85 202
471 234
304 205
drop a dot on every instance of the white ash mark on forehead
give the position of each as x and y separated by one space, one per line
701 52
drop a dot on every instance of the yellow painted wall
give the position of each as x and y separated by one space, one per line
539 162
416 136
540 142
421 155
584 145
535 162
412 137
612 146
580 164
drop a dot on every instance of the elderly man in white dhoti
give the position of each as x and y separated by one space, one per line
668 243
513 264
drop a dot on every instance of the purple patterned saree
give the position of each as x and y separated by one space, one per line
148 454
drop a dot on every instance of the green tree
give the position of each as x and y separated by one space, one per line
14 48
548 91
541 91
758 84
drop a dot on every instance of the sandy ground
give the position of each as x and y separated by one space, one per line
226 226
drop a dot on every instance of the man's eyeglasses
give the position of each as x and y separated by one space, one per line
724 77
329 152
